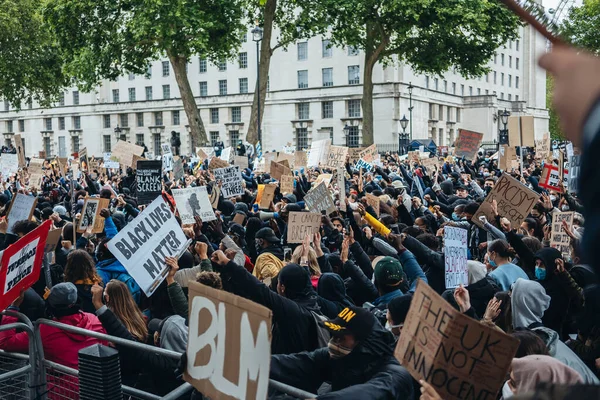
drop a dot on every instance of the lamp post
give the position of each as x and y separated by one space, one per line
118 132
410 106
257 36
503 139
346 133
402 136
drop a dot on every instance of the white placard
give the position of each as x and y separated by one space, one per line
108 163
192 202
232 181
455 257
20 209
9 164
167 162
319 151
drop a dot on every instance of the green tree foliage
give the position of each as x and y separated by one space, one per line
430 36
582 25
104 39
30 65
554 124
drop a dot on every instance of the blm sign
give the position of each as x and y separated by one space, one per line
148 179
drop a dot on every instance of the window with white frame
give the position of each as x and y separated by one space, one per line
326 49
352 51
453 87
148 73
107 145
462 90
166 69
353 108
303 110
517 45
106 121
203 89
353 75
139 117
302 79
166 92
236 114
75 143
61 124
517 82
115 95
203 65
222 65
48 146
326 109
327 77
509 61
435 83
176 117
157 141
214 138
302 51
223 87
243 85
77 122
75 97
243 60
509 80
158 118
139 139
61 99
517 63
301 138
124 120
234 137
502 78
148 92
132 94
214 115
131 76
353 139
21 125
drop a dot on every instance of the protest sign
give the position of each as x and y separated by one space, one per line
240 161
277 170
336 157
286 184
20 151
231 179
450 350
515 201
373 201
341 184
83 159
178 172
204 152
149 181
443 150
123 153
285 163
267 197
354 154
551 177
467 143
239 218
285 156
369 153
9 164
90 215
260 166
22 263
270 157
527 137
319 199
543 147
302 223
363 164
229 341
506 157
559 238
455 257
216 163
214 196
193 202
54 236
142 245
21 209
109 163
324 178
574 171
227 155
319 151
300 160
167 162
165 149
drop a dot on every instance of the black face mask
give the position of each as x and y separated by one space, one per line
487 189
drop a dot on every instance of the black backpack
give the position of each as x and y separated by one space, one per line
323 334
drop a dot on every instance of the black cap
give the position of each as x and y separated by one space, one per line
267 234
356 321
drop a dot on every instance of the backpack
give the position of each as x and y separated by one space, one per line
323 334
132 285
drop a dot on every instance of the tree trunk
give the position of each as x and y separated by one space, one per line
189 102
263 72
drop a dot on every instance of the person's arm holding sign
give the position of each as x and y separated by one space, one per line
176 295
409 262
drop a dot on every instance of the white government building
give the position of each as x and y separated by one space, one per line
314 93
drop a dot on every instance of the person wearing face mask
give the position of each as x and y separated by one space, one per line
504 273
358 362
396 314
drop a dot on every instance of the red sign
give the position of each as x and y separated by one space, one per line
551 177
467 144
21 264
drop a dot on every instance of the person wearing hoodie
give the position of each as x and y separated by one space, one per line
529 302
587 343
270 254
358 362
109 268
527 373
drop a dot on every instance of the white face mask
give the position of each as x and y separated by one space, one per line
552 198
390 327
507 392
564 207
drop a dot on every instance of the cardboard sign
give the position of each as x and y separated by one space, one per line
336 157
214 196
229 341
326 178
165 148
574 171
319 199
443 150
90 214
239 218
551 177
460 357
149 181
319 151
277 170
559 238
354 153
109 163
83 159
302 223
240 161
373 201
227 155
231 177
204 153
300 159
455 257
20 151
216 163
286 159
369 153
22 263
9 164
286 184
267 197
506 156
54 236
21 209
467 143
543 147
270 157
527 137
260 166
123 153
178 172
341 185
360 164
192 202
142 245
514 199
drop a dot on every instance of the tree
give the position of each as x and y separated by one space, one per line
430 36
581 26
554 124
30 65
104 39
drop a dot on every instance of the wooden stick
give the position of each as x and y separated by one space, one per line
526 16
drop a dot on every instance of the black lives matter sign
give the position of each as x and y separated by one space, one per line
149 181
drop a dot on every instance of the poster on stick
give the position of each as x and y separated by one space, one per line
9 164
558 237
468 143
337 157
142 245
21 208
268 194
300 160
319 199
551 176
575 167
319 151
457 355
524 124
455 257
149 181
302 223
123 153
286 184
20 151
90 215
369 153
277 170
229 340
193 202
231 179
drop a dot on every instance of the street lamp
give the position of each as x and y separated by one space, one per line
503 139
410 106
402 136
257 36
347 133
118 132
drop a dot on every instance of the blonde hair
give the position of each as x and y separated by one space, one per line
120 302
313 264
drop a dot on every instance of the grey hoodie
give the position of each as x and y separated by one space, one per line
529 301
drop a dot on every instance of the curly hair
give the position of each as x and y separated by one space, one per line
211 279
81 267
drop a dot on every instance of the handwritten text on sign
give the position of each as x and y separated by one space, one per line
559 238
455 257
300 224
232 181
319 199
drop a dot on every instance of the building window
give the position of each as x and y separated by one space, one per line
61 99
124 120
502 59
175 118
203 65
166 92
431 111
487 78
214 115
326 49
353 139
517 45
243 85
478 92
244 37
106 119
435 83
353 75
223 87
517 97
517 82
495 77
48 123
139 139
462 90
158 118
470 90
75 143
156 140
509 80
449 114
509 97
302 51
440 112
509 61
203 89
446 86
352 51
302 79
327 76
303 111
326 109
236 114
115 95
501 96
502 78
9 126
132 94
148 92
214 138
107 144
517 63
75 97
131 76
234 136
148 73
301 138
139 117
458 115
222 65
427 82
21 125
77 122
243 60
47 146
496 58
166 71
453 87
61 124
353 108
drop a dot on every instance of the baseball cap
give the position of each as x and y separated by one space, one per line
398 184
356 321
267 234
388 272
63 295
